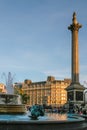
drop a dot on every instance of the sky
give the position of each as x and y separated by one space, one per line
35 41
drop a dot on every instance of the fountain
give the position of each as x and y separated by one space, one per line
36 119
51 121
9 102
13 116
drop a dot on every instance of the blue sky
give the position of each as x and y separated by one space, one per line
35 41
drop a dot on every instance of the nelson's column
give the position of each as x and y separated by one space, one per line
75 90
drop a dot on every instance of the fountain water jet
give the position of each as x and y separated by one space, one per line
9 82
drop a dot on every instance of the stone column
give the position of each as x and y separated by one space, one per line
75 90
74 27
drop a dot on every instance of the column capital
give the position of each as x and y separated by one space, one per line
75 25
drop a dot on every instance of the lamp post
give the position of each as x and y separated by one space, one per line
69 105
85 92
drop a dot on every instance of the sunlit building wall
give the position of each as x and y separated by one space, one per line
2 88
49 92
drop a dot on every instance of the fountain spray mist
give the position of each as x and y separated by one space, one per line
9 82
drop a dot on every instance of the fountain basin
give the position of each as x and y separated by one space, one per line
23 122
12 109
10 104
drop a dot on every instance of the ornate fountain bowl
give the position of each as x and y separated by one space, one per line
10 104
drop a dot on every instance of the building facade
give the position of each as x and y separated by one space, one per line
50 92
2 88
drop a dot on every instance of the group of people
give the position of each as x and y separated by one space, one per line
78 110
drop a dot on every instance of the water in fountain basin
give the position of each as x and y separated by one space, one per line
46 117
